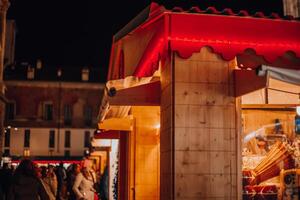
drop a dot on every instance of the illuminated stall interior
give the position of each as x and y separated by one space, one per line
270 121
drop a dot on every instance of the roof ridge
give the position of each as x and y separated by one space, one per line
227 11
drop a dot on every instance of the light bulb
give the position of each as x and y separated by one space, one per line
157 126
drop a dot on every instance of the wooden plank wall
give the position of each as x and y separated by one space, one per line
205 146
274 97
166 133
254 119
147 158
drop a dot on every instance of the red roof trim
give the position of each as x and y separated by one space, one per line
51 161
149 61
212 10
186 48
230 36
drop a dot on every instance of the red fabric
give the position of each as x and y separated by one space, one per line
96 196
227 35
149 61
231 35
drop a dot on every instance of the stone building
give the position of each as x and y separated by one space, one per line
291 7
50 111
4 4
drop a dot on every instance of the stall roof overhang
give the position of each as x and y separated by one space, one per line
232 35
259 78
141 95
228 34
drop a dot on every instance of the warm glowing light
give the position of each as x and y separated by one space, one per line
298 110
157 126
26 152
8 127
16 129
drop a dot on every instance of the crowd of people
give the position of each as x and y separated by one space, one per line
31 182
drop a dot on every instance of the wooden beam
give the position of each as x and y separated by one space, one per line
120 124
142 95
247 81
101 149
270 106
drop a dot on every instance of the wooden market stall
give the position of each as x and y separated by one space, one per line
178 81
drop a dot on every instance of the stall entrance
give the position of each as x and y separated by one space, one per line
135 153
112 152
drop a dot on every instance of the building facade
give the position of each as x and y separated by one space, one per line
50 111
291 7
4 4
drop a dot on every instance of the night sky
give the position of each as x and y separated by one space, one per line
79 33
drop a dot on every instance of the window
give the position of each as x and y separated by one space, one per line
67 115
30 73
51 151
26 153
27 138
67 153
85 74
88 114
48 111
6 152
87 139
51 139
7 138
10 111
68 139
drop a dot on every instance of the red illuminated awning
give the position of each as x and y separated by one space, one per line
229 36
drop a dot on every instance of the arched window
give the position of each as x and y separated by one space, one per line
10 110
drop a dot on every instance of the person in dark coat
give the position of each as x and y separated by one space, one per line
104 185
5 179
1 194
71 176
61 176
25 183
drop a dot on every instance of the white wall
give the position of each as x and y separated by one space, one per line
39 141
